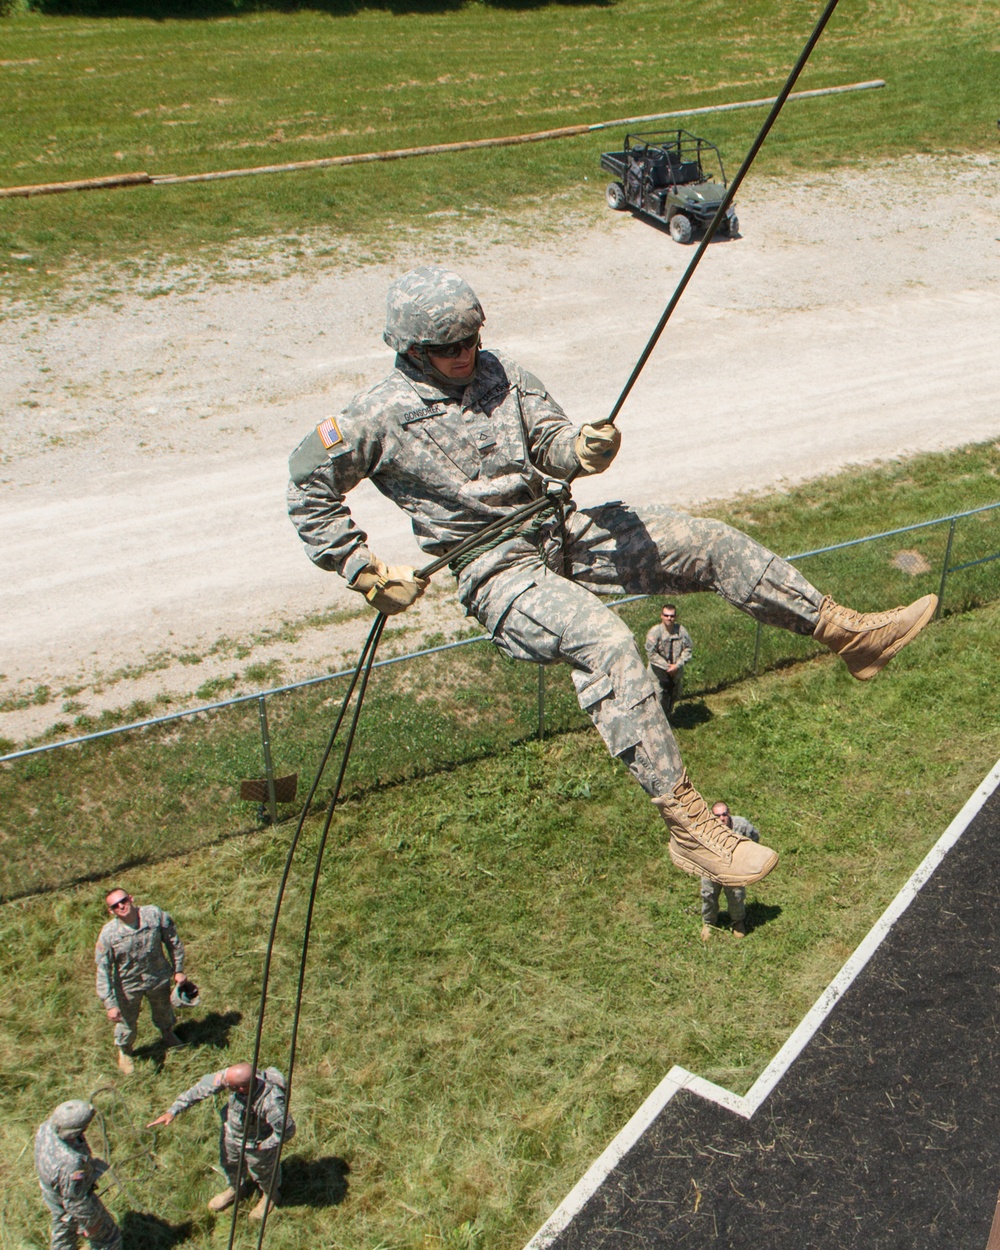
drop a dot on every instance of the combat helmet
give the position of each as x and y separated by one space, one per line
70 1118
430 305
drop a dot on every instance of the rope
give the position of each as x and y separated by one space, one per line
513 529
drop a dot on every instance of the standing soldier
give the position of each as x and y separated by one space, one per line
68 1174
267 1127
458 437
736 895
668 646
132 965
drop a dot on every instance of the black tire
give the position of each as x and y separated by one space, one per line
680 228
734 226
614 193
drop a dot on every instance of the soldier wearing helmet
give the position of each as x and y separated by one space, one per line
68 1174
458 436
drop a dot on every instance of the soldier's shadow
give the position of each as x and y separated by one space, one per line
314 1182
759 914
142 1231
690 714
210 1030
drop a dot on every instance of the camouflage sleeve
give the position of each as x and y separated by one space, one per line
744 827
206 1087
171 940
105 974
653 642
686 649
273 1110
330 461
76 1191
551 434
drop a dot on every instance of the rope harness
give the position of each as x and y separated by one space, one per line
513 529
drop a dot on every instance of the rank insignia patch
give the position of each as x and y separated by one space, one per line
329 433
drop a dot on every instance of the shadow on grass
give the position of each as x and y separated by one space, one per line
197 10
314 1182
142 1231
690 713
210 1030
759 914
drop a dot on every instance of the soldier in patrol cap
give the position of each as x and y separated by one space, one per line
459 436
68 1174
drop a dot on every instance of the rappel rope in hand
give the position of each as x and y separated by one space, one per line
362 671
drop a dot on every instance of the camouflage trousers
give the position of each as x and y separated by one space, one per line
67 1230
542 606
736 898
668 686
160 1008
259 1165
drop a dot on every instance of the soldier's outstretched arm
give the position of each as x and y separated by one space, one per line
209 1084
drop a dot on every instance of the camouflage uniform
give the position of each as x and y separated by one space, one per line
668 646
131 966
455 457
68 1173
264 1137
736 895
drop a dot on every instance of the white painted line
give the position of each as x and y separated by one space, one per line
679 1078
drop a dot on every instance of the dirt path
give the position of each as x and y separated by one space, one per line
144 447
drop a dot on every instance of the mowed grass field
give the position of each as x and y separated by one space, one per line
96 95
504 962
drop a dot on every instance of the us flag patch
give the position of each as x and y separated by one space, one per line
329 433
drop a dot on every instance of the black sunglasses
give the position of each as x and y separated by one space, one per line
450 350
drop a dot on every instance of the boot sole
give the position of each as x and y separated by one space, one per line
876 666
685 864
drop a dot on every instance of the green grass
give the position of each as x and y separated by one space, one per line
501 971
96 95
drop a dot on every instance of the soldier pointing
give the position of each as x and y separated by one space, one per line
459 436
257 1101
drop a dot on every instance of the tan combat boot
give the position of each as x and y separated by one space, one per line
703 846
258 1212
222 1201
867 641
125 1062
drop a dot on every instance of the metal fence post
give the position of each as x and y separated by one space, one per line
756 649
947 561
541 702
272 802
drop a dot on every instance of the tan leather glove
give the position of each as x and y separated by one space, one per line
596 446
389 590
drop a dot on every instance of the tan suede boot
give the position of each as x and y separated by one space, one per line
222 1201
703 846
125 1062
258 1212
867 641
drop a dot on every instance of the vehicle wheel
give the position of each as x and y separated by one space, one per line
734 226
680 228
615 195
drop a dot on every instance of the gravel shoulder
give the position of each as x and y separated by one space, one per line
144 547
